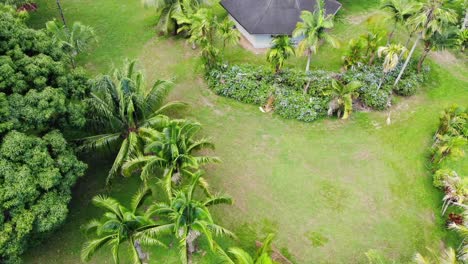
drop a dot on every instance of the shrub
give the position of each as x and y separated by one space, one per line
254 85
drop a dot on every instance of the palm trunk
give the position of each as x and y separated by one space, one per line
142 256
407 60
309 55
372 58
390 37
465 21
382 79
190 244
427 49
61 12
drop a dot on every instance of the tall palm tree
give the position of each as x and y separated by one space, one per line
240 256
73 40
172 150
314 29
343 95
119 225
282 48
400 11
392 58
190 218
430 18
125 111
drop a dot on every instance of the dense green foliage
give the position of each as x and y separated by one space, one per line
40 91
38 94
254 84
36 175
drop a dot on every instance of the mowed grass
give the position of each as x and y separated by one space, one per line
331 190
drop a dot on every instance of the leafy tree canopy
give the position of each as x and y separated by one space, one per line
40 92
36 175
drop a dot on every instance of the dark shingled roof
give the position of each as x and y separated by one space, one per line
275 17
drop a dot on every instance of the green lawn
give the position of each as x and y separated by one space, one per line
331 190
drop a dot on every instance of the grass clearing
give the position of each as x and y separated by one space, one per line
332 190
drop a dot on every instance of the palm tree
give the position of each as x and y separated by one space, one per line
119 225
190 218
455 192
282 48
125 112
240 256
400 11
314 29
169 9
452 122
430 18
446 256
343 95
172 150
353 55
372 40
392 57
448 145
72 40
228 33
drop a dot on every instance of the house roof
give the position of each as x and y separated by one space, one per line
275 17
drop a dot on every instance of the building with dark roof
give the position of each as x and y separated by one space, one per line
259 20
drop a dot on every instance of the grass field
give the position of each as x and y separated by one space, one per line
331 190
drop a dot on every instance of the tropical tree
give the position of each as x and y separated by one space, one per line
399 11
445 256
240 256
119 225
453 122
169 9
431 18
72 40
228 33
448 146
282 48
456 192
462 39
314 28
343 95
125 111
462 230
392 57
353 54
190 218
172 150
374 37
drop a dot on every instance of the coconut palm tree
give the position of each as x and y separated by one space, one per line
240 256
430 18
125 111
119 225
392 57
343 95
314 29
190 218
446 256
282 48
399 11
172 150
74 40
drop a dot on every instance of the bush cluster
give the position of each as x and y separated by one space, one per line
255 84
39 97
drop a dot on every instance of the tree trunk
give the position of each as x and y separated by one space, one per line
372 58
306 87
309 55
407 60
61 12
427 49
390 37
465 21
382 79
